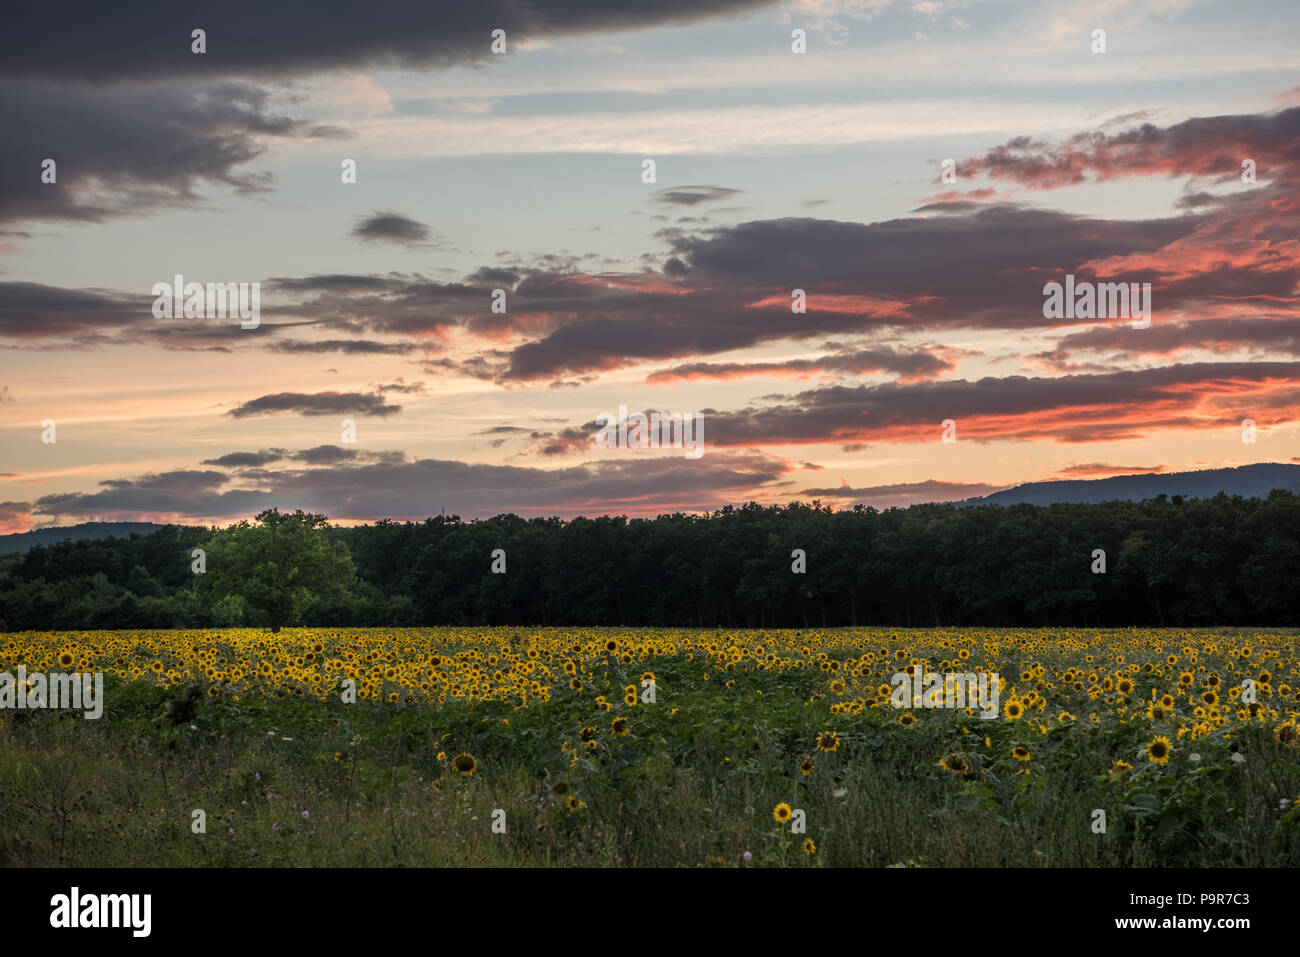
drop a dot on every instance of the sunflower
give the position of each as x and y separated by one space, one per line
807 766
1158 750
587 734
575 684
629 699
781 813
809 847
828 741
907 720
954 763
1124 686
593 745
1013 709
65 660
1020 753
1119 766
465 764
611 646
1210 698
619 727
573 803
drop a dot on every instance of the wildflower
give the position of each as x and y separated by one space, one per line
1158 750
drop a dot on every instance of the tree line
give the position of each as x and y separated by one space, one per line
1167 561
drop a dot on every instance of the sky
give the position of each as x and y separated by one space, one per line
463 258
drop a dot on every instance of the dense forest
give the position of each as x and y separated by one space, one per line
1168 561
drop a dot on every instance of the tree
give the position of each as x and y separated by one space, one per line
276 565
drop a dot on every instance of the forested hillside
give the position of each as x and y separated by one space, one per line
1167 562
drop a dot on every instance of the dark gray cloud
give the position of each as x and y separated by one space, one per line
318 403
391 227
1104 406
179 480
911 364
152 38
1071 408
124 150
694 195
418 489
354 347
325 455
246 459
33 310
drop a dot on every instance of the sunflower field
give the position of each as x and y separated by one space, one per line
655 747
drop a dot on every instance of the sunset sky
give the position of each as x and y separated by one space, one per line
775 171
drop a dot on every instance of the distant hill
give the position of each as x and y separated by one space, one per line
22 541
1248 481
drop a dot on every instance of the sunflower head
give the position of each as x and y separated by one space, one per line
619 727
828 741
781 813
464 763
1158 750
573 803
809 847
954 763
1020 753
807 766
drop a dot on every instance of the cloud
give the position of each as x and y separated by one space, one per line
180 480
15 517
354 347
1101 468
319 403
694 195
634 484
152 39
903 494
125 150
246 459
1208 148
1072 408
909 366
391 227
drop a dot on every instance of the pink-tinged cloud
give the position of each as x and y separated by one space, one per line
1101 468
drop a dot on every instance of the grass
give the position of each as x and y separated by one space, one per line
693 783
